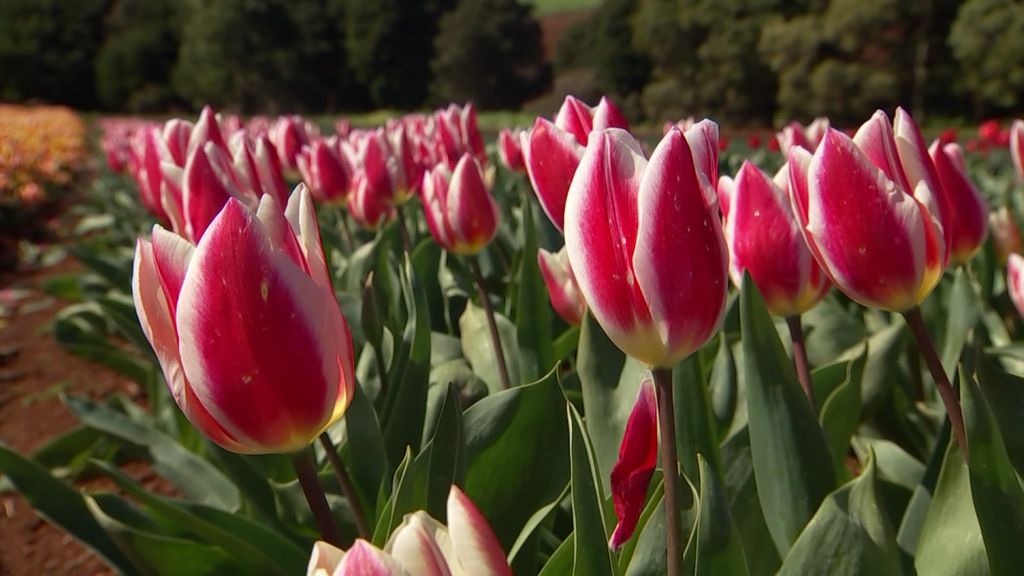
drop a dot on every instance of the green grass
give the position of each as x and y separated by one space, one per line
545 7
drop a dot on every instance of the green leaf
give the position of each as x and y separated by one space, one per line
723 387
882 369
829 330
758 547
610 381
951 542
560 563
850 534
533 307
840 411
695 427
533 523
478 347
251 544
591 554
1005 395
80 329
196 478
447 456
426 260
147 544
792 463
646 551
364 449
719 549
964 312
995 488
62 505
517 454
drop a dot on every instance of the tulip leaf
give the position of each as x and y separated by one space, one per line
840 410
533 307
250 543
964 312
80 329
517 454
62 505
405 404
363 451
646 552
610 381
758 547
401 501
723 387
560 563
591 555
849 535
881 371
792 463
251 482
951 542
426 260
695 427
156 552
719 549
995 487
830 330
478 347
1005 395
447 451
196 478
533 523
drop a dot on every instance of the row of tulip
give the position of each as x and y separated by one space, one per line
276 327
41 148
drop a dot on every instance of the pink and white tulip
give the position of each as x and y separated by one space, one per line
325 172
968 214
870 212
461 213
366 207
796 135
245 325
645 241
764 239
566 298
257 167
510 149
1015 281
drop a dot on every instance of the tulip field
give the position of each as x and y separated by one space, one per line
560 348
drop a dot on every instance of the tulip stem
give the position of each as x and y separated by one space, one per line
406 242
803 369
346 487
305 469
492 325
346 232
670 467
946 392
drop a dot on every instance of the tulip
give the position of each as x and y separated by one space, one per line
207 129
1015 281
289 134
638 455
565 294
796 135
968 214
870 214
460 212
422 546
645 242
1017 147
257 167
366 208
324 172
176 135
764 238
246 327
384 172
1005 234
208 181
510 150
553 151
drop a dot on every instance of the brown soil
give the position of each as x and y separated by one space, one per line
34 371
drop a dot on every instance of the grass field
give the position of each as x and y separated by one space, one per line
544 7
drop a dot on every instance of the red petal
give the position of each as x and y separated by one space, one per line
638 455
552 156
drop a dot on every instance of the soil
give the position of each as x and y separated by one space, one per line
34 372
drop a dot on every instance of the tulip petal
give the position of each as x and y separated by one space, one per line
702 139
601 236
279 230
877 142
552 156
576 118
171 255
473 540
1017 147
259 351
1015 281
364 559
561 284
680 260
471 212
301 215
968 210
203 194
608 115
638 455
422 546
324 559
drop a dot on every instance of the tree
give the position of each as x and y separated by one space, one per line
490 52
987 39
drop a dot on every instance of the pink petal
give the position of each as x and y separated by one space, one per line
576 118
919 167
968 210
471 134
1017 147
638 455
509 151
279 231
206 130
435 204
565 295
608 115
268 170
176 136
256 344
726 187
473 540
364 559
702 139
472 213
551 157
1015 281
876 140
422 546
681 259
203 194
601 235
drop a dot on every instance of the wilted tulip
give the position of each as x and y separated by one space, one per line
764 238
870 211
645 241
565 294
553 150
246 327
1005 234
1015 281
510 150
324 171
460 212
422 546
968 214
638 455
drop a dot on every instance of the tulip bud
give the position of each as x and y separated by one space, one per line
510 150
1005 234
968 214
565 294
870 214
366 208
460 212
646 244
208 181
176 134
1015 281
324 172
207 129
286 372
765 240
638 455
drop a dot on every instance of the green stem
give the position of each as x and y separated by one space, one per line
946 392
492 325
803 369
346 232
670 467
406 242
305 469
346 487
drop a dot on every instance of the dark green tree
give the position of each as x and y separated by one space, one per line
490 52
987 39
47 49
